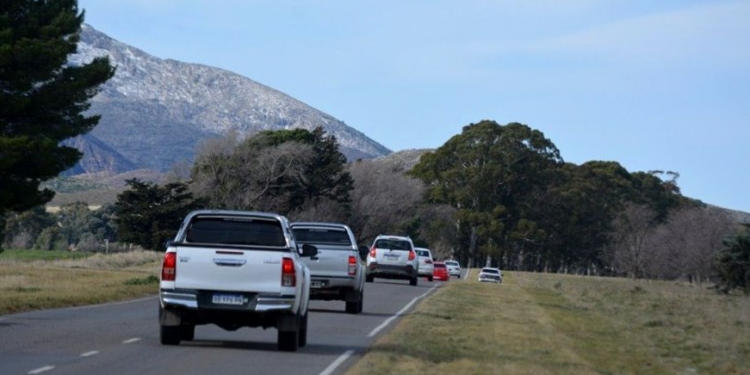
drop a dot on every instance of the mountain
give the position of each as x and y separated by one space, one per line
154 112
97 156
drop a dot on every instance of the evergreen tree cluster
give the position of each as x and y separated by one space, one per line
42 98
520 203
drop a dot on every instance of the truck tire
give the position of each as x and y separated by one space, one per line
170 335
369 278
288 341
413 281
355 307
187 332
430 278
302 339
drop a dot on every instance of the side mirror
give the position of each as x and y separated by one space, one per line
309 250
363 250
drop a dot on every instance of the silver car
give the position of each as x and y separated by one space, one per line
336 272
426 268
454 269
393 257
491 274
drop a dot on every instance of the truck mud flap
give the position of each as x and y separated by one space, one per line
169 318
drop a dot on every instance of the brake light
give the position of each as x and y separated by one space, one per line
352 265
169 267
373 252
288 277
412 255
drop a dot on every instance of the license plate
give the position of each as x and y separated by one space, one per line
391 256
317 283
227 299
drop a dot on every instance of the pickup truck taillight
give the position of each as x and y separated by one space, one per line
373 252
412 255
352 265
288 277
169 267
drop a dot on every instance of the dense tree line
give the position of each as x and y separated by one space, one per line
42 98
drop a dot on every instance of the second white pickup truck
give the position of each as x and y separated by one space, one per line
235 269
337 271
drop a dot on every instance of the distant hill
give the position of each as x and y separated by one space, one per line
97 156
155 111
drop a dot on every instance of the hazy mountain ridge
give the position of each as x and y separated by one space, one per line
155 111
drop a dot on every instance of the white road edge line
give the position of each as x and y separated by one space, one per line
332 367
389 320
130 341
89 354
40 370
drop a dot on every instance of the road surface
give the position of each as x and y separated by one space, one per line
123 338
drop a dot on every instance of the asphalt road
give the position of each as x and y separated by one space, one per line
123 338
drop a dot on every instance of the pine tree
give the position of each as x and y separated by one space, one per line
42 97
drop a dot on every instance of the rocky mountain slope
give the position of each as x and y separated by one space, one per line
156 111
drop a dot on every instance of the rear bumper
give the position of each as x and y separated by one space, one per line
426 270
391 271
325 287
490 280
199 300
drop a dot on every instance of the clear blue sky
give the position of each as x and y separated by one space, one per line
651 84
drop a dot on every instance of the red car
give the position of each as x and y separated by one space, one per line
440 272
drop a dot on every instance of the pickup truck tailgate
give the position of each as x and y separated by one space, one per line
207 268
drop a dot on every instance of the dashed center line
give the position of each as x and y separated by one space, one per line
130 341
89 354
40 370
332 367
396 315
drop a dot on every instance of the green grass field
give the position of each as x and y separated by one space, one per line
562 324
31 255
31 280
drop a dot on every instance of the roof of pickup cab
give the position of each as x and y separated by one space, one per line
392 237
269 215
317 224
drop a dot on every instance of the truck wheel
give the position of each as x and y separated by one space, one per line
170 335
355 307
430 278
413 281
187 332
302 339
369 278
288 341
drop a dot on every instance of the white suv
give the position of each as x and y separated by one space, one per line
426 268
393 257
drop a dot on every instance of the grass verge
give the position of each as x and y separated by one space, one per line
31 284
561 324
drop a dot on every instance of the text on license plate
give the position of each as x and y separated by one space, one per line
317 283
391 255
228 299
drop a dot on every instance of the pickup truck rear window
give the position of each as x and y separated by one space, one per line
423 253
236 231
392 244
325 236
489 270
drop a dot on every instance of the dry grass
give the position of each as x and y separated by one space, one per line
558 324
38 284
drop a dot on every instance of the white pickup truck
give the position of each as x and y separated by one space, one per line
337 272
235 269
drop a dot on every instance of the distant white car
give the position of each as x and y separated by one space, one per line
491 275
426 267
454 269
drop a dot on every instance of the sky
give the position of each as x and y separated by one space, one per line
654 85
